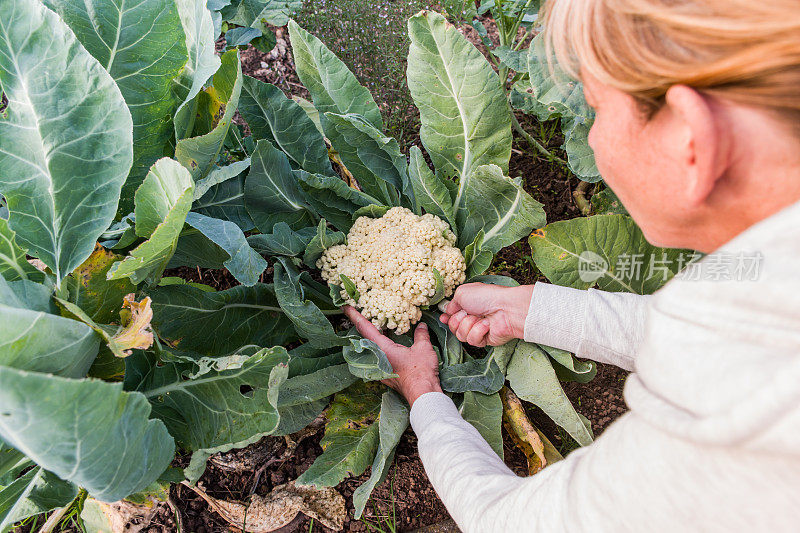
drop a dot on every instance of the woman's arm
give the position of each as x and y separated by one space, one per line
603 326
607 327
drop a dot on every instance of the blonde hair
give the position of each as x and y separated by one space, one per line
747 51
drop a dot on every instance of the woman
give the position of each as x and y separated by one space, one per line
698 133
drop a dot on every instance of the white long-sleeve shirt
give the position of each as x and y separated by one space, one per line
712 439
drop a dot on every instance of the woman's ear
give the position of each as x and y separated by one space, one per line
700 141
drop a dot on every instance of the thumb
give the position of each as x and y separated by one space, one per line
421 334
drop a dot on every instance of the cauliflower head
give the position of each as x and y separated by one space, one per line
391 262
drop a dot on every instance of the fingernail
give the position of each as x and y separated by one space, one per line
423 325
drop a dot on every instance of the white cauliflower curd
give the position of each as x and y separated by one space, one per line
393 261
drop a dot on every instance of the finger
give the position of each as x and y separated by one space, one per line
477 335
466 326
443 318
454 306
455 320
367 328
421 334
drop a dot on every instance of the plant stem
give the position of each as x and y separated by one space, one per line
533 142
579 195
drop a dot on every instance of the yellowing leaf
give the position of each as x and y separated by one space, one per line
136 332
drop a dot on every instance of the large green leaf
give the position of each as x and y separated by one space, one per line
351 436
333 199
245 264
374 159
533 379
33 339
392 423
485 413
608 251
218 323
142 46
332 86
65 139
482 375
198 27
199 154
85 431
308 319
37 491
430 192
498 207
466 121
213 412
162 202
280 120
272 193
13 262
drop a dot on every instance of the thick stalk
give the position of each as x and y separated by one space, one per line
579 195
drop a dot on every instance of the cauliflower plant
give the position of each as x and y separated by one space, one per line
394 262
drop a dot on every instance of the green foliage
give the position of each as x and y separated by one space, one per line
156 114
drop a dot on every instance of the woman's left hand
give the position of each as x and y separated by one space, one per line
417 367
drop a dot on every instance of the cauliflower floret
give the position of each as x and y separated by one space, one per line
391 261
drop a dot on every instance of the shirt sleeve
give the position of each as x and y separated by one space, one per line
606 327
627 480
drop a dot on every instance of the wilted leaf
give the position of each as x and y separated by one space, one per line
99 297
351 436
278 508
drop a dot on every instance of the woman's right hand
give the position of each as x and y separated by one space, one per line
481 314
